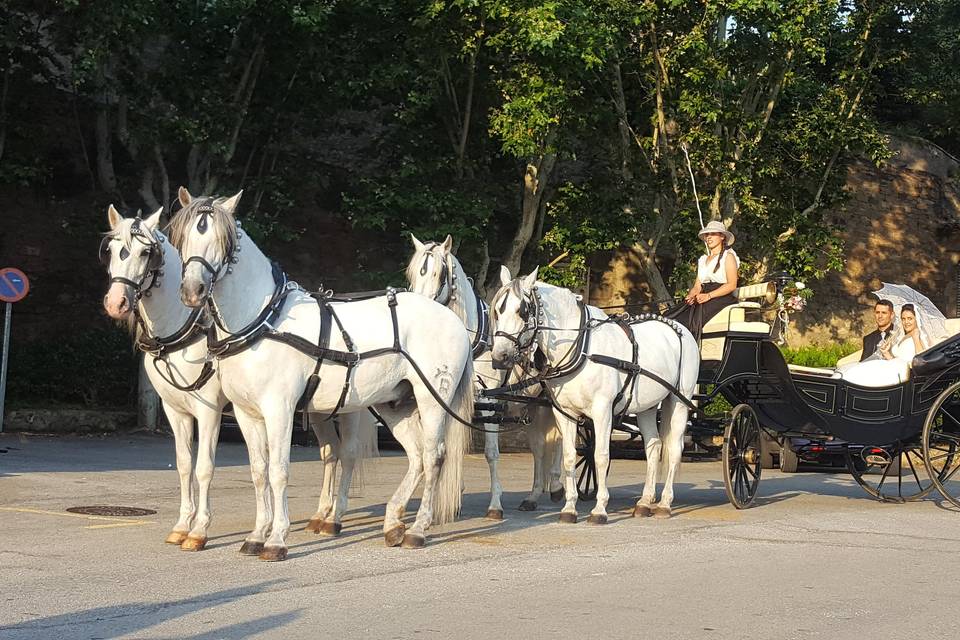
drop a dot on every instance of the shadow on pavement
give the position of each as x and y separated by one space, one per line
127 619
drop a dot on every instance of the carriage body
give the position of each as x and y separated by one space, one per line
818 404
896 427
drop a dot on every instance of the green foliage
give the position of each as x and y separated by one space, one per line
819 356
93 368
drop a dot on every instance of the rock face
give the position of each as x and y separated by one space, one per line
901 225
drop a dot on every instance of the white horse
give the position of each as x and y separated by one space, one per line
137 256
435 272
265 376
530 315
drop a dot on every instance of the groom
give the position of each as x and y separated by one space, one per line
883 312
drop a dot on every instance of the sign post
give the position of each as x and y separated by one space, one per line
14 287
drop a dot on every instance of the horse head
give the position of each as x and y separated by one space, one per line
514 314
205 233
431 271
132 254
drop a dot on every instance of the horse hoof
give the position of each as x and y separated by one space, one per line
642 511
251 548
413 541
273 554
597 519
194 543
661 513
394 536
176 537
527 505
568 518
330 529
314 525
494 514
557 496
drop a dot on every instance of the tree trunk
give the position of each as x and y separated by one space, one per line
105 171
535 179
3 107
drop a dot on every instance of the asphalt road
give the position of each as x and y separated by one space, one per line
816 558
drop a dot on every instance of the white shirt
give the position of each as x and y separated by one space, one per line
706 265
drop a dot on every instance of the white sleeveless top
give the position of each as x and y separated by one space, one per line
706 266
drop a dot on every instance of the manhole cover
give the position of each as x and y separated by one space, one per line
101 510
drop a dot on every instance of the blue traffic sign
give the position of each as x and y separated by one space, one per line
14 285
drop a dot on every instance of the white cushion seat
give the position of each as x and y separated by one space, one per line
731 318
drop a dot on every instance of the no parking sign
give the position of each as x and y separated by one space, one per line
14 287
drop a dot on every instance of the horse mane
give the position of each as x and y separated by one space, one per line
222 224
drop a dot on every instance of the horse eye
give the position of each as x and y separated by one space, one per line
202 225
124 254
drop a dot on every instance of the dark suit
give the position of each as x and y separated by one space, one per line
871 340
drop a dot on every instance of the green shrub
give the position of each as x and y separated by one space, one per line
93 368
819 356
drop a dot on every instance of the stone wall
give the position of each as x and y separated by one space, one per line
900 226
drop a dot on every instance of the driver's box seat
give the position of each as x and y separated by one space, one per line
733 319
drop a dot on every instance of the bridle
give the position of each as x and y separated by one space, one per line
205 211
531 313
448 283
154 270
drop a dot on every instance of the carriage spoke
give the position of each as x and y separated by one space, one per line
946 412
912 469
944 478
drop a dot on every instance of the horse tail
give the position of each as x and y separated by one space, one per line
449 489
366 447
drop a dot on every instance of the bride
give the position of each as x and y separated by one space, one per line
891 364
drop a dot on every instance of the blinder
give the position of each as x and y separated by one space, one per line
445 279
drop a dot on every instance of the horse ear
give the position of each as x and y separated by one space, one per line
153 220
184 196
505 277
448 244
417 245
113 217
530 280
230 204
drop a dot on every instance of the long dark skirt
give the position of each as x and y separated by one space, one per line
694 316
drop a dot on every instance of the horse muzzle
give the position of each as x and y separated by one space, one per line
193 293
119 301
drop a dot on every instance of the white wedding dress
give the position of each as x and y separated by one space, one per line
883 373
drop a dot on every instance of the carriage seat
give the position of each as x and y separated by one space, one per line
731 318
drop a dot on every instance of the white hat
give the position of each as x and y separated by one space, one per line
715 226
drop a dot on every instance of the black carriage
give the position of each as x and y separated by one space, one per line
907 435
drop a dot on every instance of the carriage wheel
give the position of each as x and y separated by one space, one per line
586 469
741 456
895 473
941 443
